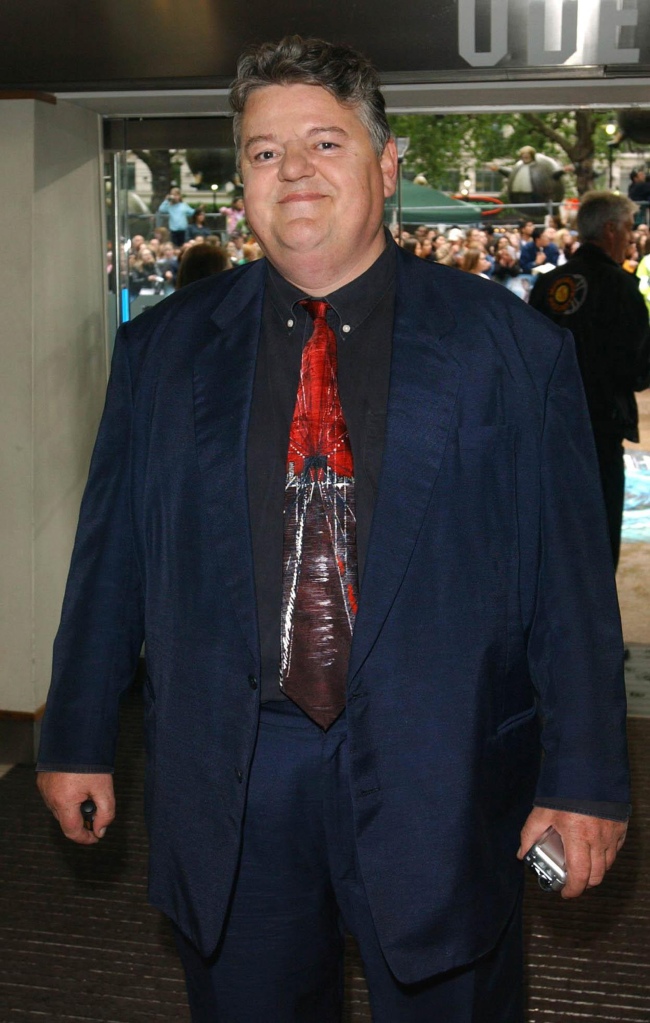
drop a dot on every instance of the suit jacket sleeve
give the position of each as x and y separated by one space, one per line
101 631
575 646
527 257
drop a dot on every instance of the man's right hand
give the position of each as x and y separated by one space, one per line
64 792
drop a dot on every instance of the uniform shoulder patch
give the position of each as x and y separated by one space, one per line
567 294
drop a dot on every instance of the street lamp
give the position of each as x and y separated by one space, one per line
612 142
215 189
402 144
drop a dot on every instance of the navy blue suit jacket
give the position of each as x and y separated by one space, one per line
487 609
528 255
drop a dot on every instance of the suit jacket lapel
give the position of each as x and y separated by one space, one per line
423 386
224 372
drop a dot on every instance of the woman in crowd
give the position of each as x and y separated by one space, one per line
235 215
443 253
506 263
167 266
631 261
197 227
475 261
198 261
143 272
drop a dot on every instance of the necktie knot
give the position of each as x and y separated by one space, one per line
316 307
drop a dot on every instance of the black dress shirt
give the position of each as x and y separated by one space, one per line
361 316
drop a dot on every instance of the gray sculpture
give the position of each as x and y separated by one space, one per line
535 178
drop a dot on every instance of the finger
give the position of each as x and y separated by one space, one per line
536 824
104 814
578 866
610 855
598 869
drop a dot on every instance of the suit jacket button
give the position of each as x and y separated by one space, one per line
252 681
239 774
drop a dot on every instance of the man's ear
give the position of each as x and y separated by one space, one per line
389 167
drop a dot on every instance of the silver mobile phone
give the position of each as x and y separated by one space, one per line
546 858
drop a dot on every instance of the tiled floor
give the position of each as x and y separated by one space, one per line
79 944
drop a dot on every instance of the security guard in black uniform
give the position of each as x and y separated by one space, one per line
601 305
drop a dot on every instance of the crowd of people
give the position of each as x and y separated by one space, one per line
511 255
175 256
523 251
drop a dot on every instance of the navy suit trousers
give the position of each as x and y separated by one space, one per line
299 889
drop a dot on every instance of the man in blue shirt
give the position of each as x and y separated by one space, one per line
178 212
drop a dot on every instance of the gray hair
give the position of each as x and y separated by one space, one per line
600 208
345 73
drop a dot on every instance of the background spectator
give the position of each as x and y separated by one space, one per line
235 215
200 261
143 273
538 251
178 212
475 261
601 306
197 228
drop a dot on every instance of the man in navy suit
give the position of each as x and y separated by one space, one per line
538 251
449 518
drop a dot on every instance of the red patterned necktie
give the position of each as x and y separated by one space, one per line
319 599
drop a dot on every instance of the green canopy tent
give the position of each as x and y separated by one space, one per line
422 204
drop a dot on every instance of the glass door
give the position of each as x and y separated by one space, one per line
170 184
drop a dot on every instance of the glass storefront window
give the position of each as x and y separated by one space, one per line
161 198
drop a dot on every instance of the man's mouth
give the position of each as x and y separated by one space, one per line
301 197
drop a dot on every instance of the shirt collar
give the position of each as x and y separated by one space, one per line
352 303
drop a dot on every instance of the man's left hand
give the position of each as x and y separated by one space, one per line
590 845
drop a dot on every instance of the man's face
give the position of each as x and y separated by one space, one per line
543 240
314 187
619 237
175 195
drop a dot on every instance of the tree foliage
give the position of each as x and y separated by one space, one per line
441 143
160 163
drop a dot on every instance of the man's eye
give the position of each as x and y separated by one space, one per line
266 154
327 145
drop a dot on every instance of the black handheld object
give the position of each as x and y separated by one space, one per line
88 811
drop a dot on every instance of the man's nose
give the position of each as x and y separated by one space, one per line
296 162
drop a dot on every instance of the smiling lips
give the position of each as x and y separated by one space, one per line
301 197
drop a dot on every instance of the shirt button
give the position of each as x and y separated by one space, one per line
289 323
346 328
239 775
252 681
